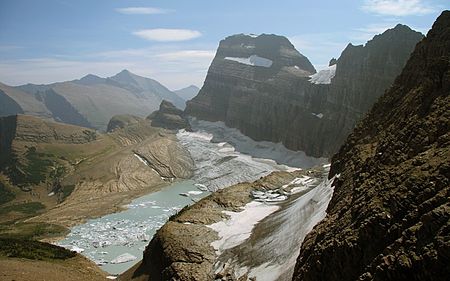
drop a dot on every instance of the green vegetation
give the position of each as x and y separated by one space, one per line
29 208
58 172
66 191
29 249
5 194
31 230
90 135
33 171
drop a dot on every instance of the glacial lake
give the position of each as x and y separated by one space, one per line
104 239
222 156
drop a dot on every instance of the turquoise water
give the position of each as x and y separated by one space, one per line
218 164
104 239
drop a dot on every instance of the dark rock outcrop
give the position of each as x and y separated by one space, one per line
389 218
8 106
8 126
122 121
333 61
279 104
169 117
62 110
36 130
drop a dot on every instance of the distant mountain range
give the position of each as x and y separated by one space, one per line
90 101
187 93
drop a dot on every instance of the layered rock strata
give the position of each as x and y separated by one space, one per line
268 90
389 217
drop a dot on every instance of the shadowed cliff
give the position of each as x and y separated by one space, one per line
389 215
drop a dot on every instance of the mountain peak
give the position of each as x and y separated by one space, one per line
125 76
125 71
397 33
90 76
265 50
188 92
401 27
90 79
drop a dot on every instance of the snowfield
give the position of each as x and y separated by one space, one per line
324 76
287 226
239 226
253 60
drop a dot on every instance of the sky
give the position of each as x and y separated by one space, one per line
174 41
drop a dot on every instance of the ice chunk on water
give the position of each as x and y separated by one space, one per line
123 258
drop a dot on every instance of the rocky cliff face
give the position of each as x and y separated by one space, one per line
389 217
263 87
169 117
246 74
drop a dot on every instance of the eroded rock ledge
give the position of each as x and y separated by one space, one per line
182 249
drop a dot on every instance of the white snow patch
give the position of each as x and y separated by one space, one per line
318 115
238 227
324 76
253 60
266 272
300 184
123 258
300 218
195 192
73 248
200 186
142 159
298 189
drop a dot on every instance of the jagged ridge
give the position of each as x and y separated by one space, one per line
279 104
389 216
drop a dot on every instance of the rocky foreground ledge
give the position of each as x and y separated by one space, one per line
389 218
198 242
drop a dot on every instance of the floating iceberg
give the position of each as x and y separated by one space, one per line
123 258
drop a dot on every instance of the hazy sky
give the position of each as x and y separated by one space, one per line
174 41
